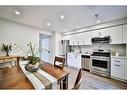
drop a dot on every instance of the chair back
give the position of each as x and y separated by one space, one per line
78 80
59 62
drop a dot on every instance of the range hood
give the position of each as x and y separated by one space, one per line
105 39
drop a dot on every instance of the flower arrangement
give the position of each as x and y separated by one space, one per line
32 55
32 52
7 48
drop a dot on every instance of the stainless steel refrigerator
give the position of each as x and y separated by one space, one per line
64 47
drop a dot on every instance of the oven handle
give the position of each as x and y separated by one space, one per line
101 59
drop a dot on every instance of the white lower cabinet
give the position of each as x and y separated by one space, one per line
74 60
117 68
125 69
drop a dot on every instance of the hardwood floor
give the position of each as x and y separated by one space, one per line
90 81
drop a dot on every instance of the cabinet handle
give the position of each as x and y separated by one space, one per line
116 61
117 65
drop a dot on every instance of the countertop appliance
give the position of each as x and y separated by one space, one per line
101 63
86 62
105 39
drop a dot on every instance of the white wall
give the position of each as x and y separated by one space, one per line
20 34
57 41
11 32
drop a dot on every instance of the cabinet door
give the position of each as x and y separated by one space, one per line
96 33
125 64
87 38
105 32
70 59
117 68
71 42
125 33
116 34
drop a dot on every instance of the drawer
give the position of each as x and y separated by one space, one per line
117 61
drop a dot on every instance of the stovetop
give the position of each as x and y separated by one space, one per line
102 53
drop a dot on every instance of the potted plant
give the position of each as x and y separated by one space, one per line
31 55
6 48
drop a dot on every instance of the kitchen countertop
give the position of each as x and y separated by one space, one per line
122 57
88 54
85 54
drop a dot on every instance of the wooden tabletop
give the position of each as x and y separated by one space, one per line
14 78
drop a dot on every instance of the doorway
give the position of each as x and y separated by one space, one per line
45 43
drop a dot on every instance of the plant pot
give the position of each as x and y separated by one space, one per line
7 53
33 68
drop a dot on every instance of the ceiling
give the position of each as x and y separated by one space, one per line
82 16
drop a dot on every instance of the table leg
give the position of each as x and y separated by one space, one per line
65 83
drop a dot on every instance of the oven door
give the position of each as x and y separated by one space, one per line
101 64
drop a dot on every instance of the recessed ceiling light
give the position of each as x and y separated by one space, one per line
77 26
48 23
62 17
98 21
65 30
17 12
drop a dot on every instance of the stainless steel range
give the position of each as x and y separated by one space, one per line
101 62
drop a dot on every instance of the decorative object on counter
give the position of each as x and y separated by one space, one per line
31 54
6 48
117 54
71 50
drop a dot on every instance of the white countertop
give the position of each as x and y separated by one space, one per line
122 57
86 54
81 53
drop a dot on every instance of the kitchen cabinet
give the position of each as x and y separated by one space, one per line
74 40
125 69
86 38
81 39
116 35
101 32
117 68
74 60
125 33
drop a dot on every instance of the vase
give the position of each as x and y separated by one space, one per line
7 53
33 68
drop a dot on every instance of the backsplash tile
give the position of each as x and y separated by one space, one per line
121 48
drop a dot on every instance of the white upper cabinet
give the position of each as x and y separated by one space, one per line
81 39
86 38
125 33
116 35
101 32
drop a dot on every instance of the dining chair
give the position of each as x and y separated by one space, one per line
78 80
59 62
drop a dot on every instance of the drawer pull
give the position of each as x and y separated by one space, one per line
116 61
117 65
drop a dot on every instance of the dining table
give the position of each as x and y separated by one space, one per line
14 78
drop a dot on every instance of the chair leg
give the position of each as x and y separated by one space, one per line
61 86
